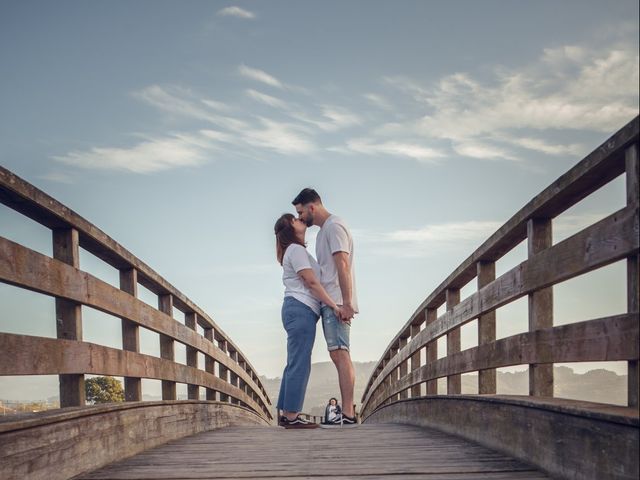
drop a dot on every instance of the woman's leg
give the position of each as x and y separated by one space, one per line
300 323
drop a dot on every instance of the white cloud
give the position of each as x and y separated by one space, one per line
259 76
236 12
153 155
429 240
57 177
285 138
216 105
412 150
266 99
477 149
378 100
339 117
567 88
181 102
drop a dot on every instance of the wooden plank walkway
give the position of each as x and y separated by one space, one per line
386 452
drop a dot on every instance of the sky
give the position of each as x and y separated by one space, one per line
184 129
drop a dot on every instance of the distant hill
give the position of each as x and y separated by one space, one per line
596 385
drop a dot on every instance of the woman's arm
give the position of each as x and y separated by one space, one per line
311 281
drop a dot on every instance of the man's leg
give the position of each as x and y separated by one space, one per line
346 378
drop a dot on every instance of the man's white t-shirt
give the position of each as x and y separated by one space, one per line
334 236
297 258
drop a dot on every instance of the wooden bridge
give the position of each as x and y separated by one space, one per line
410 429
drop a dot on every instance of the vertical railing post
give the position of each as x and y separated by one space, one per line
131 335
454 382
415 358
66 248
539 235
402 371
486 273
209 364
633 272
233 376
223 372
431 315
167 346
393 376
191 321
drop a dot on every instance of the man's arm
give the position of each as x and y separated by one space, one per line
344 278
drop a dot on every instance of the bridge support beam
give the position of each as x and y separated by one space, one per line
191 320
539 235
167 347
223 371
486 328
432 351
66 248
415 358
454 382
209 363
131 335
402 369
633 272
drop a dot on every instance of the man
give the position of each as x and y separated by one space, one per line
334 253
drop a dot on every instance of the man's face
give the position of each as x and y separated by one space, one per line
305 213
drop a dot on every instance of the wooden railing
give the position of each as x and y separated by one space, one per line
400 372
236 381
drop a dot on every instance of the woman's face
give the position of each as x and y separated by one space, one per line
299 227
332 401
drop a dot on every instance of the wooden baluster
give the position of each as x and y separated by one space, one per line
131 335
633 272
431 315
66 248
415 358
233 376
454 382
393 377
209 364
191 321
486 328
539 234
223 372
167 346
402 371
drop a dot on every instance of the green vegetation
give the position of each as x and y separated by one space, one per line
103 390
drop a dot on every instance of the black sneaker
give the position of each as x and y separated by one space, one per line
296 423
341 421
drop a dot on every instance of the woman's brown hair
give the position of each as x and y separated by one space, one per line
285 235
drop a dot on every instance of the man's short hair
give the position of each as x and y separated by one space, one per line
308 195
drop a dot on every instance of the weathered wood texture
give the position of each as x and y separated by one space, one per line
596 170
57 445
607 339
368 452
28 269
567 439
23 197
27 355
613 238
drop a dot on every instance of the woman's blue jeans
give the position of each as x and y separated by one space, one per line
300 324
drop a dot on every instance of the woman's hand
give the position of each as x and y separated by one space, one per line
338 311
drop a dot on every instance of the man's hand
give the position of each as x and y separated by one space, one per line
347 312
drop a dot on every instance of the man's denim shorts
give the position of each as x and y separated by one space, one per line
336 332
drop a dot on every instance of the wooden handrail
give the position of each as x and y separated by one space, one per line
61 277
609 240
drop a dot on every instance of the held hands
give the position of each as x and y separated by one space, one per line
345 312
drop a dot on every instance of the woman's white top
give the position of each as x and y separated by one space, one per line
297 258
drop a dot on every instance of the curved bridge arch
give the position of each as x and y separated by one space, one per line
567 438
234 392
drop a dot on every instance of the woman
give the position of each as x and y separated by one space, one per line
332 411
300 312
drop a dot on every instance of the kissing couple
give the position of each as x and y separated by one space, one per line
313 289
